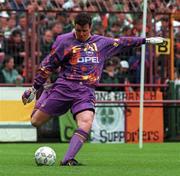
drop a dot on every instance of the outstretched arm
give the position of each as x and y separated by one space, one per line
113 46
47 66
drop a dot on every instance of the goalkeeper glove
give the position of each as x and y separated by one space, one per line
155 40
28 95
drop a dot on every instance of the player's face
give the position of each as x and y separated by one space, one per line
82 32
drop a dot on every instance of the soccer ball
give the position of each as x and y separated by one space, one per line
45 156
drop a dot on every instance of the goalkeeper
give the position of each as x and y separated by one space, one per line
81 56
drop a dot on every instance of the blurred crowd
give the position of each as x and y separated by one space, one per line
52 18
101 5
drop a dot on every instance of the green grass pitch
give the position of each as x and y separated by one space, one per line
99 159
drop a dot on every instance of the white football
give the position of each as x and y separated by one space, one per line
45 156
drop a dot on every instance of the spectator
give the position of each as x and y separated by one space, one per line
22 25
65 19
2 42
57 29
68 5
109 76
175 6
2 4
10 75
18 4
46 43
163 27
127 31
43 5
115 29
134 64
123 73
4 17
137 29
14 46
62 17
162 7
98 29
56 4
177 79
43 24
11 24
123 20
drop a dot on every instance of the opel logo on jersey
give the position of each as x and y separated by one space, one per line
88 60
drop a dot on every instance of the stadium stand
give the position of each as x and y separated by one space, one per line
110 17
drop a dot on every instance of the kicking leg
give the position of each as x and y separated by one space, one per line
47 104
84 121
39 117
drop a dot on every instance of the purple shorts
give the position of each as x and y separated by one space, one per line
65 95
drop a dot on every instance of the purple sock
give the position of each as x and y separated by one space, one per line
75 144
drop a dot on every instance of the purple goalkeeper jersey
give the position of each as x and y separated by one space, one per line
83 61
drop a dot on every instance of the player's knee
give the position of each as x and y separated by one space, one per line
35 122
85 119
85 124
38 118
